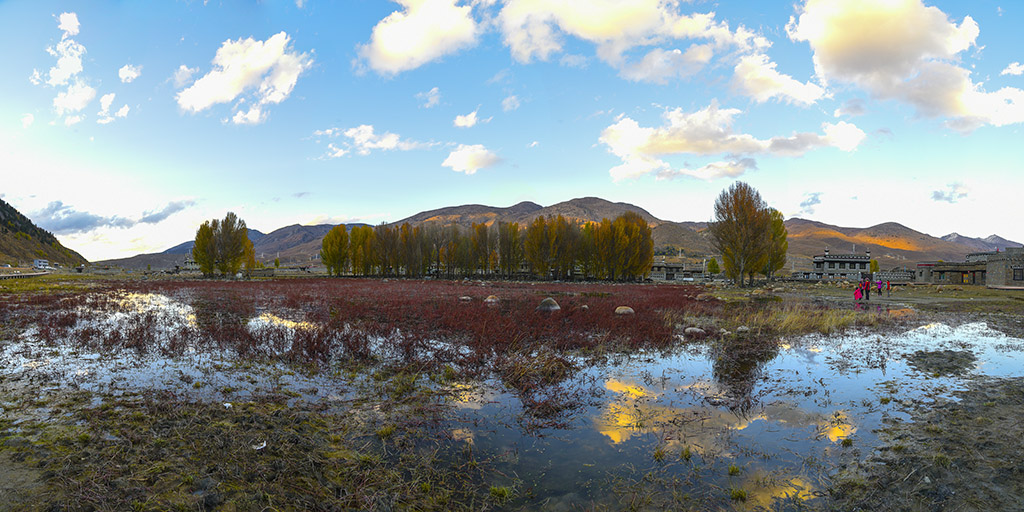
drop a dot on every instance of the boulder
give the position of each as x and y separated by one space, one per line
694 332
624 310
548 304
465 298
742 329
492 299
584 308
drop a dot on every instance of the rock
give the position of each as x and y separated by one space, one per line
694 332
548 304
705 297
723 332
584 308
492 299
624 310
465 298
778 289
742 329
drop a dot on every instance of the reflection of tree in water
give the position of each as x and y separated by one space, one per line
738 364
221 313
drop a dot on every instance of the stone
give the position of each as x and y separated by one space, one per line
624 310
742 329
548 304
584 308
492 299
694 332
465 298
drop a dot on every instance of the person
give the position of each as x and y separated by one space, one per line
888 288
879 287
856 293
867 289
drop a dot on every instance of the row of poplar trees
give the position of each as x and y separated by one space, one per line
223 245
750 236
548 247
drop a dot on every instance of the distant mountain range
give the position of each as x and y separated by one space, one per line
894 245
21 241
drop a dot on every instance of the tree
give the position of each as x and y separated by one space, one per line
250 257
777 246
229 237
537 247
873 266
277 262
713 267
334 250
740 231
634 245
204 251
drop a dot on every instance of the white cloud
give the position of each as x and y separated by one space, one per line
363 139
300 3
430 98
851 107
74 99
1015 69
535 29
711 171
468 120
268 69
127 73
122 112
183 75
953 193
27 120
756 76
68 23
708 132
906 51
659 65
533 144
105 102
470 158
69 62
72 120
510 103
424 31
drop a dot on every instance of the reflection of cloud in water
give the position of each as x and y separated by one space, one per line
270 319
762 489
155 302
635 410
468 396
462 434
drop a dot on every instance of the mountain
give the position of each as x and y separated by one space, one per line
989 243
185 248
892 244
21 241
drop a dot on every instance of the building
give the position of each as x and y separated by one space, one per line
40 264
663 271
1006 269
848 267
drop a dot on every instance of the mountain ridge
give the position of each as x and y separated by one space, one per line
21 241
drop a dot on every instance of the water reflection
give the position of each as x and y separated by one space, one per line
738 365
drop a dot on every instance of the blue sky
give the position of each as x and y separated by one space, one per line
126 124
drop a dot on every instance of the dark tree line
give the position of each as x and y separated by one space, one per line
548 247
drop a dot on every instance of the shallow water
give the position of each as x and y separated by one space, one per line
691 423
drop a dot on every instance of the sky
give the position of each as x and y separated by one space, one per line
124 125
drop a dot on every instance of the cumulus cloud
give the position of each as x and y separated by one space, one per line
127 73
660 65
905 51
68 23
708 132
74 99
811 199
756 76
431 98
62 219
105 102
470 158
953 193
851 107
425 30
27 120
1015 69
711 171
183 75
469 120
510 103
260 72
156 216
363 139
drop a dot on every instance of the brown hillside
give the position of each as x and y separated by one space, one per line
21 241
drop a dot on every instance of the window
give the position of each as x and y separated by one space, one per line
863 266
842 264
1018 274
831 264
